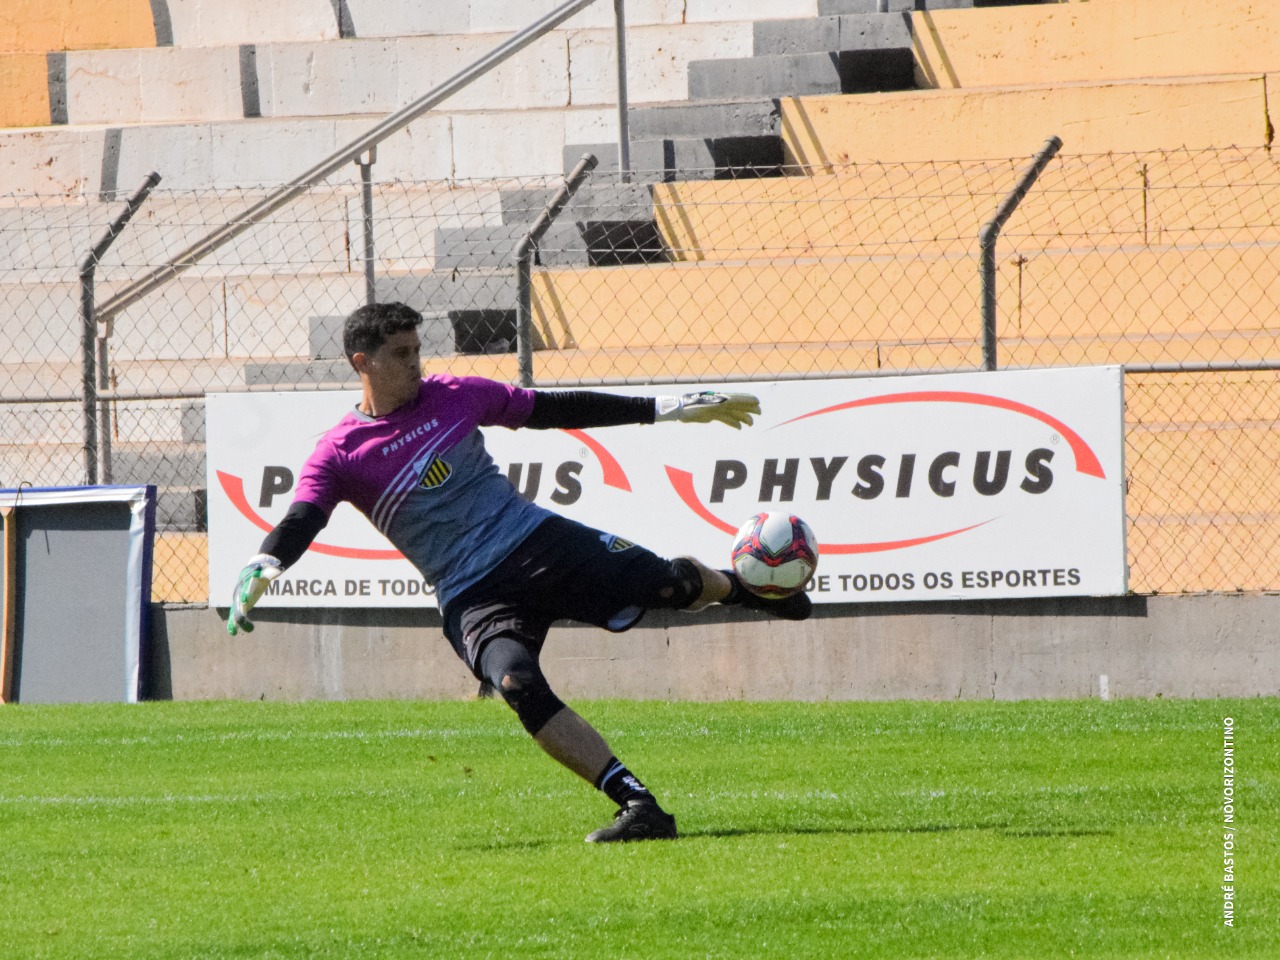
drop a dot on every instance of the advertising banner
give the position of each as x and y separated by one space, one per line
972 485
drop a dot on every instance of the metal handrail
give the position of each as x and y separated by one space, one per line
351 152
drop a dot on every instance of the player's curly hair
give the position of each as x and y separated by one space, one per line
372 325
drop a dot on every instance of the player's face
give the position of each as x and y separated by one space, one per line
394 369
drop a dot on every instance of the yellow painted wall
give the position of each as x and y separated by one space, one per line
181 568
40 26
1171 554
820 133
1103 40
24 80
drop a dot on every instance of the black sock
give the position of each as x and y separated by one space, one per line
736 589
798 606
620 785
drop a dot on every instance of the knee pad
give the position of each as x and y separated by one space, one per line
527 692
681 586
511 668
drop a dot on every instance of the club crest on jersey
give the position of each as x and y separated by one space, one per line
614 543
435 473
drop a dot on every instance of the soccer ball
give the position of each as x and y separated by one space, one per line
774 554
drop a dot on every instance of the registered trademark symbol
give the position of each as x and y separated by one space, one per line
582 452
1054 439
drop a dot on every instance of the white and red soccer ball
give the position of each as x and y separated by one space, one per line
775 554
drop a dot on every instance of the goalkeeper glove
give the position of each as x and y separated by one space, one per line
735 409
250 587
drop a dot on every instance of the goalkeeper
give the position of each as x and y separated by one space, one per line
411 458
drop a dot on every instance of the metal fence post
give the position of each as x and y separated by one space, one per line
987 237
524 259
365 162
624 127
94 357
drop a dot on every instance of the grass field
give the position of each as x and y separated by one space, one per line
890 830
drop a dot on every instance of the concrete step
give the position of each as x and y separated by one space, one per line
803 74
380 18
1092 42
166 464
1207 309
575 243
713 119
838 7
710 359
436 293
597 199
80 160
658 161
284 373
470 248
325 337
208 23
873 31
256 77
826 133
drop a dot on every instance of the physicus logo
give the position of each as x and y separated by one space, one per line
902 469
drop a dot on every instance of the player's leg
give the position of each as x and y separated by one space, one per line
723 586
513 670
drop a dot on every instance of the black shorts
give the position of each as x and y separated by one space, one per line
562 571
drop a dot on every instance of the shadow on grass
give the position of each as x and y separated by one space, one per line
1004 828
726 832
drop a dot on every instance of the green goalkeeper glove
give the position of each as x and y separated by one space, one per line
735 409
251 585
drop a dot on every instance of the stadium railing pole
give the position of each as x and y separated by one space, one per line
94 358
524 265
987 237
624 126
365 162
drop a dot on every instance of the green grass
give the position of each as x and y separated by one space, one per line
894 830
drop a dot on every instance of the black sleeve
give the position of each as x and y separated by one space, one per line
574 409
292 535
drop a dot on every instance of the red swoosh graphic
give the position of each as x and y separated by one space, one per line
1086 459
234 488
682 481
614 475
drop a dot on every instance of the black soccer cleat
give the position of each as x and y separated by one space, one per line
795 607
637 820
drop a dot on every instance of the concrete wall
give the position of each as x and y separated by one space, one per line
1187 646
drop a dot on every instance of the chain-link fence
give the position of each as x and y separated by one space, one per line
1164 262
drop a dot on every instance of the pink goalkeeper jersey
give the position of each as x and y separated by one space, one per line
423 477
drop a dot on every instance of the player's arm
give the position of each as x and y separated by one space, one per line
281 549
578 409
